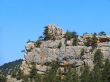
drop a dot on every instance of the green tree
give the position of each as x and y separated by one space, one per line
70 35
91 76
38 43
2 77
102 33
14 74
75 42
91 41
106 71
98 58
94 40
41 38
72 75
87 42
25 78
19 74
47 35
82 53
51 74
60 44
85 74
96 73
33 73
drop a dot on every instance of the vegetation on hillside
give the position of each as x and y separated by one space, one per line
8 68
2 77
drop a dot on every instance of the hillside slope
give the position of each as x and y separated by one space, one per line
60 56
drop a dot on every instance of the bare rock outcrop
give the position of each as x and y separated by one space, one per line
55 32
50 51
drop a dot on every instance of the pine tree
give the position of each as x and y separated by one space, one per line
72 75
82 53
19 74
70 35
75 42
2 77
33 73
102 33
60 44
51 74
98 59
96 73
47 35
106 71
85 74
87 42
91 76
94 41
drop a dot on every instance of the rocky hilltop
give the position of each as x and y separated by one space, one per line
60 56
60 46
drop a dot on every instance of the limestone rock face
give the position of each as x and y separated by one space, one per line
50 51
25 68
105 48
29 46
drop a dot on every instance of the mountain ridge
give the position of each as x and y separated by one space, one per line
70 53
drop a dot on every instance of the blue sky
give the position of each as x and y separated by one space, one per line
21 20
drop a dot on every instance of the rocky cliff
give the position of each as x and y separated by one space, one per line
62 50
